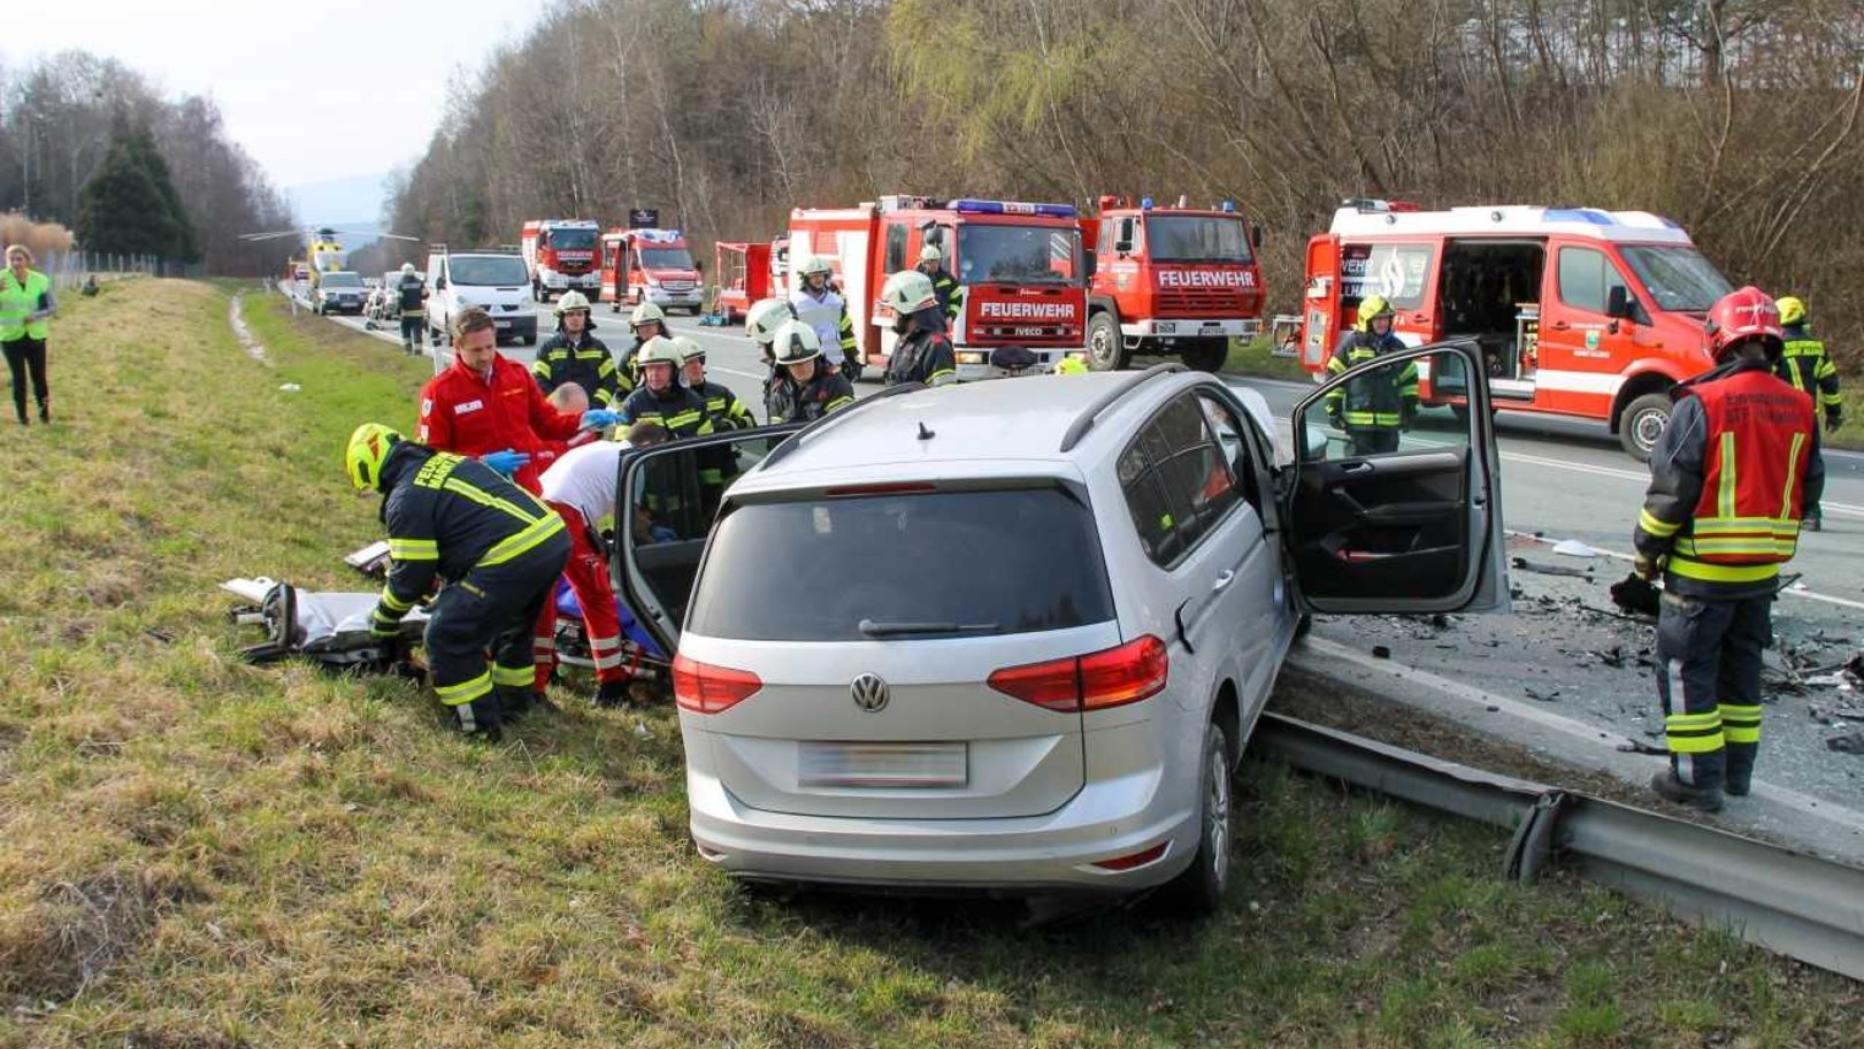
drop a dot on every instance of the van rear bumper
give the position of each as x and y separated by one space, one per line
1105 820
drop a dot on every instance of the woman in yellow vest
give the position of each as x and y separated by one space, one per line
26 303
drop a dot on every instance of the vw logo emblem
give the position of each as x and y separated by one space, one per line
870 693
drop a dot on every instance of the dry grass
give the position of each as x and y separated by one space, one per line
200 853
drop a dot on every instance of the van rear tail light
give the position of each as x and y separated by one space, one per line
706 689
1110 678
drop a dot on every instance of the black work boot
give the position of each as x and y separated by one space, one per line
612 694
1703 799
480 719
514 702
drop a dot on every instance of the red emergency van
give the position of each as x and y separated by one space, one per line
1019 265
1579 312
649 265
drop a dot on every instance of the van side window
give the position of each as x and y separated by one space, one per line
1587 277
1177 481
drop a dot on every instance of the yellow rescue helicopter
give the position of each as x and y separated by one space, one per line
324 254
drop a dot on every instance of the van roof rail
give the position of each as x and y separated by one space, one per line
1089 415
790 443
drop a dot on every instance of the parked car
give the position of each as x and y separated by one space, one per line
339 291
495 281
1022 630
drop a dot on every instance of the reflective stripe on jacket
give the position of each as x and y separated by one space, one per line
1731 477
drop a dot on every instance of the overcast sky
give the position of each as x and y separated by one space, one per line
271 65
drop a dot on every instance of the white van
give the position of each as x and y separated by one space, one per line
497 282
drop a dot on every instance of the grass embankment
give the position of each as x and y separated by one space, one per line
201 853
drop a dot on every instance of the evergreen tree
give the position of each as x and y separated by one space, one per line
131 206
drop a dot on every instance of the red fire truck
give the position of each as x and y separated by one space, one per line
560 254
1020 265
1169 280
649 265
1579 312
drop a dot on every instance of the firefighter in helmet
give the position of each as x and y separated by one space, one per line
807 388
647 321
574 355
1735 468
1804 364
761 322
661 396
1375 408
722 407
818 305
950 292
923 352
499 550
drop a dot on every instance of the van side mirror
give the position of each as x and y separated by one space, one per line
1618 303
440 284
1255 237
1089 262
698 265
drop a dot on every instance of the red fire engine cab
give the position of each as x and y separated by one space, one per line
560 254
1170 280
649 265
1579 312
1020 267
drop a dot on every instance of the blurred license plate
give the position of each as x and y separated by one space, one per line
501 324
883 765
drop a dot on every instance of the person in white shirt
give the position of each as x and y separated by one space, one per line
580 487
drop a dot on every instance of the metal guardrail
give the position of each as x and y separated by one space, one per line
1795 904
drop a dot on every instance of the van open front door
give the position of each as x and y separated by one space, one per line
1320 305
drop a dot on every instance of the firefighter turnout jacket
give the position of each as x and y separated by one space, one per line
723 408
677 408
793 402
1731 478
1805 365
471 414
447 515
585 362
1383 400
950 295
924 356
411 296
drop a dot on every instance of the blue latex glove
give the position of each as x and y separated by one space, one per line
599 419
505 462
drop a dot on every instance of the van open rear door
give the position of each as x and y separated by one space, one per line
1320 304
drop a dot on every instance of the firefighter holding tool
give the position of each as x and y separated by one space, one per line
500 551
1731 477
1373 409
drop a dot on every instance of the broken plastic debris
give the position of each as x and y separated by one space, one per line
1574 548
1381 652
291 387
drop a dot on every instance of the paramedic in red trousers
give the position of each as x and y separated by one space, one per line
488 407
580 487
1731 477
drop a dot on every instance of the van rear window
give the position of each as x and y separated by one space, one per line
993 562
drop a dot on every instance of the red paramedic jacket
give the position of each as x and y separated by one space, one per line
464 414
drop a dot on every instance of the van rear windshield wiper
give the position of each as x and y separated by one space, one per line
874 629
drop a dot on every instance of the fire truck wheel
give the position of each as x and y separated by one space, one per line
1642 423
1106 347
1206 355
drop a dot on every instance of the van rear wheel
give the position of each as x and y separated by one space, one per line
1642 423
1199 890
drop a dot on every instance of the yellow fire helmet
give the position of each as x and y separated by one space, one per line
368 448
